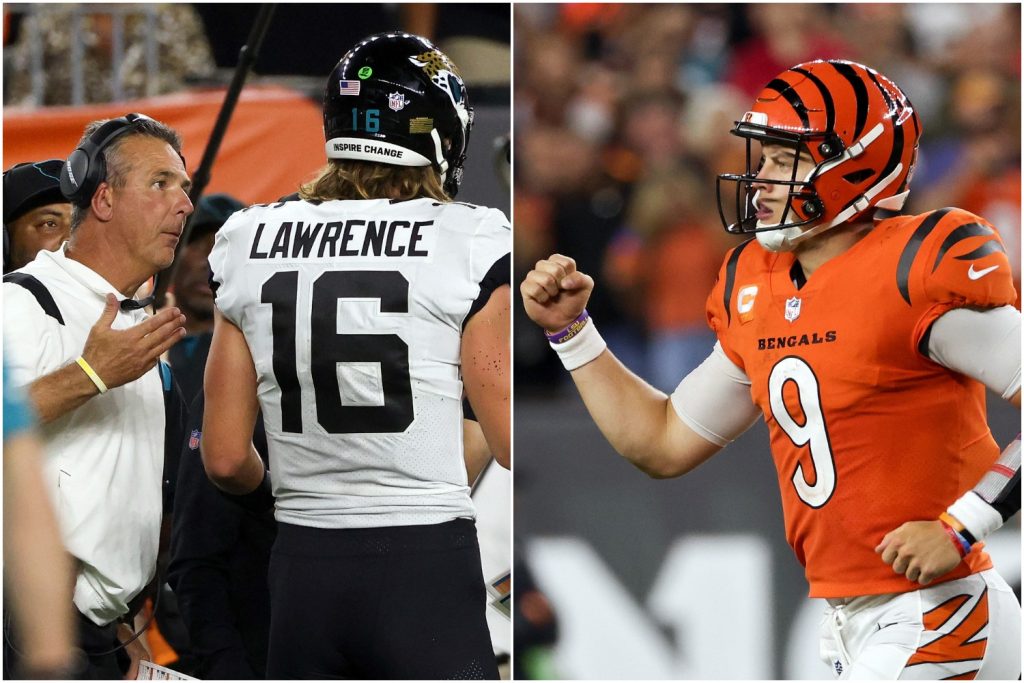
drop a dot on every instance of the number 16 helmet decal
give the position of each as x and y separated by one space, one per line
396 99
858 127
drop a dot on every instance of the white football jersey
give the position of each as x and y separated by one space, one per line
353 312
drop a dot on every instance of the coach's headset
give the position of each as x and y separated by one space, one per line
86 168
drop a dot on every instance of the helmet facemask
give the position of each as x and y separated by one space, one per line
803 205
451 176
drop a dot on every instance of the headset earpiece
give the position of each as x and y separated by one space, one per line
86 167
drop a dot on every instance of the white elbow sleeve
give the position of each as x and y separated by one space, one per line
982 344
714 400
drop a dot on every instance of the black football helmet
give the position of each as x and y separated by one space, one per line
394 98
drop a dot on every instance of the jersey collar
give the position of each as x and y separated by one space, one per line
81 273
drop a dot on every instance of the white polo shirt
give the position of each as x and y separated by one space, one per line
105 458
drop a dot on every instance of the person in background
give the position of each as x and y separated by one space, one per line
220 555
36 214
192 292
173 30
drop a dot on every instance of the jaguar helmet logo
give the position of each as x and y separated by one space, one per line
442 73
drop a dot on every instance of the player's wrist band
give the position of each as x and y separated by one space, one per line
958 527
92 374
583 347
976 517
961 544
570 330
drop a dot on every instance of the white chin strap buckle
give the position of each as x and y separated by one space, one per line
440 154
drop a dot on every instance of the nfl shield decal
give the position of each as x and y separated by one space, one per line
792 309
397 101
193 441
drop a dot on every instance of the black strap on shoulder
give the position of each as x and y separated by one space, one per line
730 278
500 273
39 291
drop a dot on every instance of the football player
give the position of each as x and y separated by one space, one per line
354 314
865 338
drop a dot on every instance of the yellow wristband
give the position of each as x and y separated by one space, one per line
92 374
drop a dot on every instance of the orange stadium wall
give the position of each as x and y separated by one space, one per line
273 142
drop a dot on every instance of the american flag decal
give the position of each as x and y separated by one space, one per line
348 87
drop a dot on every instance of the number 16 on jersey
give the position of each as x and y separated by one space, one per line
328 348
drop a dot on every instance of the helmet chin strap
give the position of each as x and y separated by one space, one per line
788 238
440 154
778 240
893 203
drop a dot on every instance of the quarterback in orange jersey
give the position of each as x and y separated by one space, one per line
865 339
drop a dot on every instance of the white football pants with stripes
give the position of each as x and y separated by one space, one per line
964 629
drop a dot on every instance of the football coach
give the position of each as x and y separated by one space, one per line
88 354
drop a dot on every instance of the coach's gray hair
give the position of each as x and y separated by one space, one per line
118 166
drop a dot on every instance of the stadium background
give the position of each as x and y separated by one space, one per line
174 62
622 117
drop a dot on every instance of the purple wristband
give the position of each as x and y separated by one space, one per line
570 331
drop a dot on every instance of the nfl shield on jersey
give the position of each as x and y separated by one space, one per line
353 312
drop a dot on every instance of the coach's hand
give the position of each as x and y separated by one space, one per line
122 356
555 293
922 551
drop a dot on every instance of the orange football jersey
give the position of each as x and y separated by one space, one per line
866 431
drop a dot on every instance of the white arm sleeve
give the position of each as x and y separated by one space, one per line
714 400
982 344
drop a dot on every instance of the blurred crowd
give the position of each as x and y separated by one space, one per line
622 115
63 53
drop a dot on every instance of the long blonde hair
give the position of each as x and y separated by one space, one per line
353 179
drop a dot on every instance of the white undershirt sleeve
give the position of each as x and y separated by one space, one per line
714 400
982 344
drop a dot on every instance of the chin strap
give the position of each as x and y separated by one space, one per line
861 204
893 203
441 161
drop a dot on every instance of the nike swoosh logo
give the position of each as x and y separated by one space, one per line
881 626
975 274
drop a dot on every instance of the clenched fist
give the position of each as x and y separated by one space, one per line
555 293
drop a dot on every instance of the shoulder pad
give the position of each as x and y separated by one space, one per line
953 256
